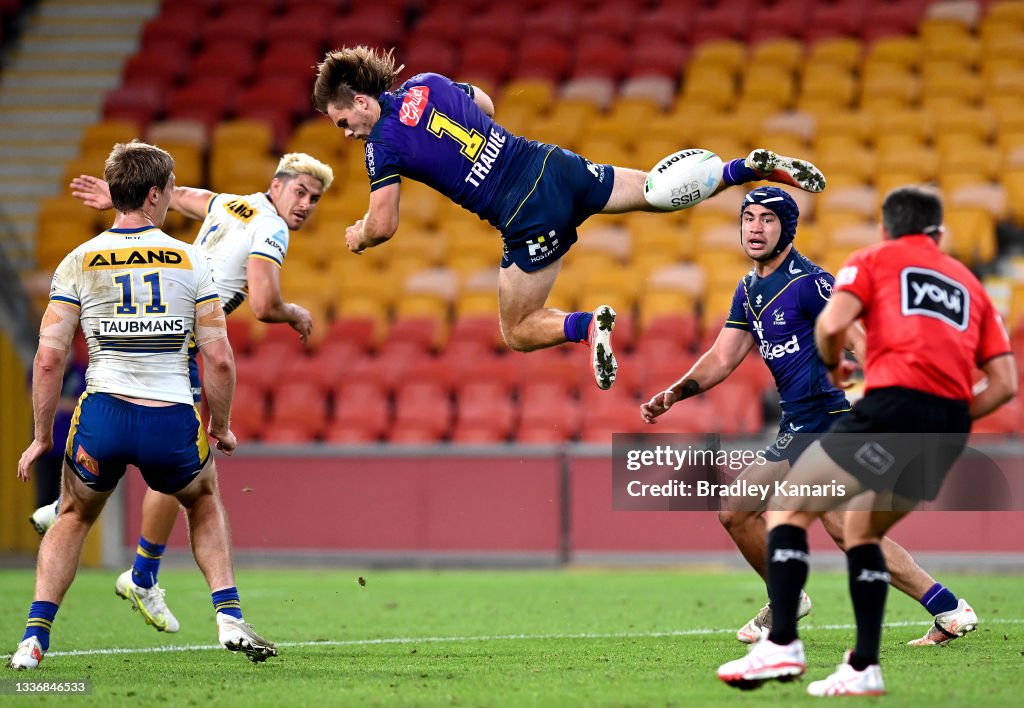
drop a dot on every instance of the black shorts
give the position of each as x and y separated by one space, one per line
900 440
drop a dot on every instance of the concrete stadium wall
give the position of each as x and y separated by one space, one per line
547 506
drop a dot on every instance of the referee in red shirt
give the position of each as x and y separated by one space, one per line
929 325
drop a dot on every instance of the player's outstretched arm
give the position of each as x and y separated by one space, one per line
55 334
266 301
218 371
380 222
713 367
94 192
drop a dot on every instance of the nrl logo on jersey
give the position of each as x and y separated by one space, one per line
931 294
413 105
778 317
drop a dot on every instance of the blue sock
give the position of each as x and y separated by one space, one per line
40 618
577 326
938 599
737 172
147 563
227 601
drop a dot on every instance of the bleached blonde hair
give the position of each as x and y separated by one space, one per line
299 163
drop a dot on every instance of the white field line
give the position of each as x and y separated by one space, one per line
483 638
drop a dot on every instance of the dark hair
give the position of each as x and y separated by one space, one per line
350 70
132 169
912 210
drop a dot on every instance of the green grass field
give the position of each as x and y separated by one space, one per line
577 637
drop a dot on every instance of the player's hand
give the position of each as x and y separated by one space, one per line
840 375
92 191
303 322
659 403
226 441
354 237
32 453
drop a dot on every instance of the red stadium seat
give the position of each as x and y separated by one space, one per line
302 22
784 18
442 22
499 22
547 417
553 368
737 408
300 404
381 27
481 329
543 57
609 413
484 414
421 408
158 69
558 20
430 54
362 413
673 19
248 411
658 55
232 61
727 20
839 18
614 19
486 59
204 99
141 103
246 24
604 56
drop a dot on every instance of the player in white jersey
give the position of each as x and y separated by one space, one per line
139 296
245 238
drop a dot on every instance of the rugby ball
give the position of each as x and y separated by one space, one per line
683 179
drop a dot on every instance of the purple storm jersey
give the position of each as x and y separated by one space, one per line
779 311
430 130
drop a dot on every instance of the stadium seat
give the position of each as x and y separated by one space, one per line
484 414
547 417
423 413
720 21
839 18
248 412
543 57
138 103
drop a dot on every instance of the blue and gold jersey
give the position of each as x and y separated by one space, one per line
779 312
430 130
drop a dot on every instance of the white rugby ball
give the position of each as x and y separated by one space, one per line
683 179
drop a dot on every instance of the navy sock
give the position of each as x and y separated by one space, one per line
787 573
939 599
40 619
147 563
869 586
737 172
227 601
577 326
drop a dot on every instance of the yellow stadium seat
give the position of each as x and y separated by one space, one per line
419 205
828 84
237 170
901 176
56 237
783 53
970 234
317 137
984 195
712 88
360 307
885 85
911 122
919 161
103 135
659 302
769 84
470 304
605 149
727 54
255 135
528 92
856 164
904 51
852 124
844 52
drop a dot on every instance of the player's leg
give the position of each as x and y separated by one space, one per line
211 546
780 656
139 583
527 325
59 554
629 187
743 519
864 526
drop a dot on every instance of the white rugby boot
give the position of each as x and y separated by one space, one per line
847 681
601 355
44 517
148 601
238 635
786 170
27 656
766 661
949 626
762 623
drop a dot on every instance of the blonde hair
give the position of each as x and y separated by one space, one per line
349 71
299 163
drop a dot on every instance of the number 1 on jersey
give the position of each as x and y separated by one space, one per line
472 141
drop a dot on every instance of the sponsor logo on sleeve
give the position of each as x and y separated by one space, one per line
846 276
931 294
413 105
824 288
277 242
371 166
